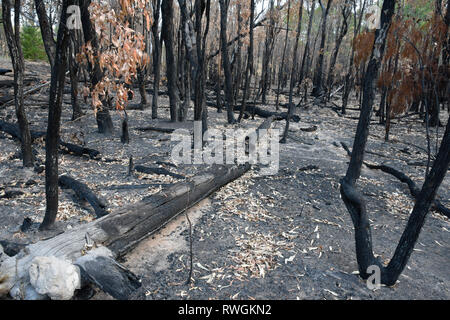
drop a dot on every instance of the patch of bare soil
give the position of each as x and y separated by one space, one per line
285 236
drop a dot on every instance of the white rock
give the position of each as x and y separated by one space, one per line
54 277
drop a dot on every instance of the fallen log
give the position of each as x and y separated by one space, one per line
310 129
79 150
84 192
13 130
252 109
10 83
4 71
121 230
6 102
161 171
151 128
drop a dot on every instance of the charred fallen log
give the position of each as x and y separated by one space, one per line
252 109
13 130
157 129
4 71
79 150
85 193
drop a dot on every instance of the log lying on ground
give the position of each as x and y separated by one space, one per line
10 83
4 71
122 230
413 189
266 114
162 171
310 129
252 109
84 192
152 128
9 99
79 150
13 130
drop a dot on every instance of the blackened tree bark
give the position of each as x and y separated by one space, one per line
142 71
171 66
156 57
54 119
294 64
304 69
104 121
74 71
345 11
249 68
238 63
15 50
46 31
280 71
355 203
201 8
224 4
268 48
195 43
348 82
318 74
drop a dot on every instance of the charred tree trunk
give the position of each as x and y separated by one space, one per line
15 50
54 118
318 75
167 33
354 201
249 68
280 71
156 57
46 31
224 4
267 54
348 82
74 71
342 32
294 64
304 69
238 62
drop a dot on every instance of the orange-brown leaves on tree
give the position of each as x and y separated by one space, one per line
122 50
363 46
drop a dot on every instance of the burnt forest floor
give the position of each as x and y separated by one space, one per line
285 236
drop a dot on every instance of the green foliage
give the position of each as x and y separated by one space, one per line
32 44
